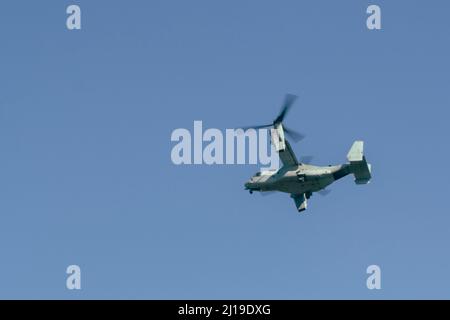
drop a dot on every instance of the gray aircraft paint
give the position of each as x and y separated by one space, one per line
302 180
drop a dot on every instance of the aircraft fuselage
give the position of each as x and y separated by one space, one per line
299 179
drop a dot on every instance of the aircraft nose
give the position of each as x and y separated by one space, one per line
249 184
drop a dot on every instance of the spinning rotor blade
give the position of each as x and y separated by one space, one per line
287 104
267 193
306 159
324 192
296 136
256 127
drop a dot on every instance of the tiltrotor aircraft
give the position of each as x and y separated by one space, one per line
299 179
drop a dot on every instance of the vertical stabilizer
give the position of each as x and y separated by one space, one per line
358 164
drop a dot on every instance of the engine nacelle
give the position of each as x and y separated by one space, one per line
277 137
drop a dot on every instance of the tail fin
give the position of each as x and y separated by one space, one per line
358 164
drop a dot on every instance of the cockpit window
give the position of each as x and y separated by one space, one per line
258 174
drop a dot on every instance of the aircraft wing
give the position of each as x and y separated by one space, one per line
300 201
287 156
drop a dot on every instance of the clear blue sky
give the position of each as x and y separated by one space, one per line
85 170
